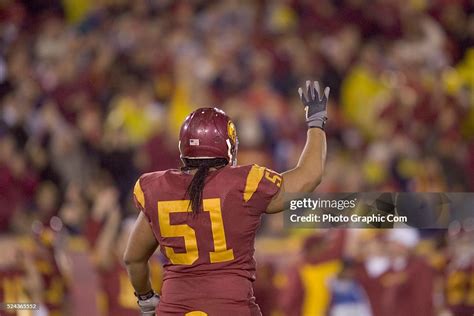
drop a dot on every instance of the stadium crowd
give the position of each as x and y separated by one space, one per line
92 94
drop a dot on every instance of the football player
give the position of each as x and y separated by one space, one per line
53 268
459 272
20 282
204 216
306 291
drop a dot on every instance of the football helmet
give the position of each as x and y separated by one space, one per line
208 133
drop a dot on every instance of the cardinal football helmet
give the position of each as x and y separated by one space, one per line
208 133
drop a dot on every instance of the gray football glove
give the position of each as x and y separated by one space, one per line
315 104
148 304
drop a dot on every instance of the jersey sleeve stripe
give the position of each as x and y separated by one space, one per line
139 195
253 179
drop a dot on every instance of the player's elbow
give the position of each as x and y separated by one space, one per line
127 259
310 184
309 179
317 181
130 258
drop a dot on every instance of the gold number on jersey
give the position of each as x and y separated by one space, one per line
165 208
220 253
275 178
213 206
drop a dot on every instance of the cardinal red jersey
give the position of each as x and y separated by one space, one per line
209 254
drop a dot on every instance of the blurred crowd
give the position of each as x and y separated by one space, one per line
396 272
92 94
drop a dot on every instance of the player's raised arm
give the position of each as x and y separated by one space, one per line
307 174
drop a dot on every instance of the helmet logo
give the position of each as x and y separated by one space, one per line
194 142
231 132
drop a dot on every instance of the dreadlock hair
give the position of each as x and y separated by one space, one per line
196 187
